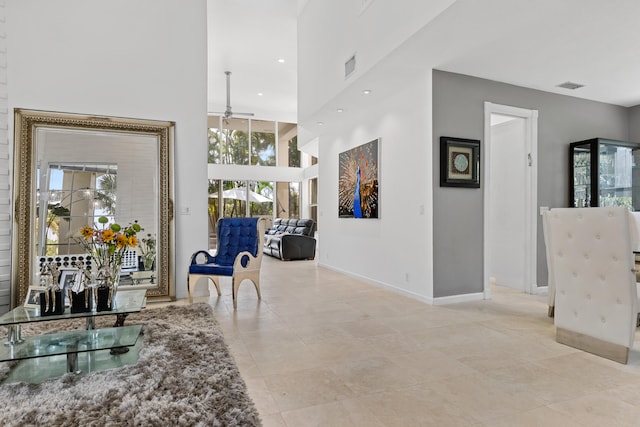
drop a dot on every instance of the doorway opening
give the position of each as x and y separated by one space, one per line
510 198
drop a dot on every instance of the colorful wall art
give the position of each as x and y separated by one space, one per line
358 181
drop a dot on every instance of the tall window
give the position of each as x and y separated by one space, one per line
248 142
263 143
228 141
260 198
252 142
294 153
288 197
313 199
228 199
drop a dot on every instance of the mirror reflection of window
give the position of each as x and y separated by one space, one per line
75 195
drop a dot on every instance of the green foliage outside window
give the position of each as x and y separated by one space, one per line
229 147
294 153
263 149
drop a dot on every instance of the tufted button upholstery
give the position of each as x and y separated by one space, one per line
593 272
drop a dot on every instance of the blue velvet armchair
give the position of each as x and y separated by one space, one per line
239 256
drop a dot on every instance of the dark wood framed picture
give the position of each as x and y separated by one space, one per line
459 162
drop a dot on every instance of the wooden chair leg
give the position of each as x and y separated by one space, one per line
190 296
256 284
215 280
235 285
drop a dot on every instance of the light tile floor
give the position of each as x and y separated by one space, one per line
325 349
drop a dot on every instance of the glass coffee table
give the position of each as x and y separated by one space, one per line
48 352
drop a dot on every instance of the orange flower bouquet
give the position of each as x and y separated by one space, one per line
107 244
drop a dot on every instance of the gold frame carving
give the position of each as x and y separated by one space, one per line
26 122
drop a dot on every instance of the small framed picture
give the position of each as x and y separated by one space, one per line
68 277
33 296
459 162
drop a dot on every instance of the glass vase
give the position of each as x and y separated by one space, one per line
148 261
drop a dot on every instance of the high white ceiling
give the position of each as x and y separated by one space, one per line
536 44
247 37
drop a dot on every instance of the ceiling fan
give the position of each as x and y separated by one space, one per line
227 113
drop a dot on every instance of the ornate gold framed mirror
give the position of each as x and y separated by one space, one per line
69 170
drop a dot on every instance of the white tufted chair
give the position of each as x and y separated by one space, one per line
635 241
634 223
551 283
596 302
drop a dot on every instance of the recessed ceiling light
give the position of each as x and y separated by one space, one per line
320 123
260 94
366 91
340 110
281 60
570 85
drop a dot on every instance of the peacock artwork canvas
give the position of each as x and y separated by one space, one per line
358 181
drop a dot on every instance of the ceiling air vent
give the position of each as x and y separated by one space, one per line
349 66
570 85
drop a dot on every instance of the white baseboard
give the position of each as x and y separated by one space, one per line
455 299
541 290
386 286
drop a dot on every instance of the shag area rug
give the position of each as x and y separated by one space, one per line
185 376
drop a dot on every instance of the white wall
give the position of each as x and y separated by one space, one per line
141 59
507 222
331 31
394 251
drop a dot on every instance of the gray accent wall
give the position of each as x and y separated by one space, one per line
458 111
634 123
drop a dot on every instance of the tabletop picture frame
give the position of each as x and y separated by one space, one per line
459 162
68 276
33 296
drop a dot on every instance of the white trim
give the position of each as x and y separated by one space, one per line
541 290
531 195
455 299
383 285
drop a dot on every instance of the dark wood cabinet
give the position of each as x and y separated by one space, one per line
604 172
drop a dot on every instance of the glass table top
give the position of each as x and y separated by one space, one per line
75 341
126 301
